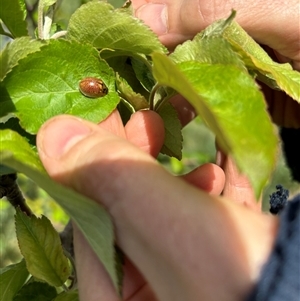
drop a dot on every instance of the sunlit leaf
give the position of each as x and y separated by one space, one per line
45 84
270 72
12 141
209 46
99 24
16 50
230 103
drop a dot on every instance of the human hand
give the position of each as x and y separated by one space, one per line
271 23
180 242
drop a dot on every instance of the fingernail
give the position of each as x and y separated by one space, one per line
155 16
58 135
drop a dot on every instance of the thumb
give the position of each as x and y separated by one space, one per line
137 192
159 219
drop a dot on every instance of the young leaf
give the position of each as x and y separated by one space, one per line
12 278
99 234
99 24
143 74
68 296
209 46
137 100
12 141
211 50
45 84
41 247
173 136
229 102
123 66
272 73
36 291
13 14
16 50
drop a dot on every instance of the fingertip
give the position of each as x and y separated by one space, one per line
150 128
208 177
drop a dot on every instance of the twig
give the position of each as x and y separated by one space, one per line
59 34
10 189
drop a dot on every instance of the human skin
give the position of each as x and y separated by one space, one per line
273 24
181 240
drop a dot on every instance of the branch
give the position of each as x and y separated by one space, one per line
9 188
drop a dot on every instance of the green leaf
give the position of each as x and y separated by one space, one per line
122 65
98 233
68 296
99 24
12 279
45 84
230 103
173 136
13 13
13 124
41 247
12 141
137 100
16 50
209 46
36 291
143 73
274 74
211 50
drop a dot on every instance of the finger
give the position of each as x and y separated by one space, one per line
94 283
237 186
113 123
145 129
208 177
178 21
154 213
185 110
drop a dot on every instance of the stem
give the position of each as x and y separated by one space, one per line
10 189
41 20
59 34
161 102
48 23
152 95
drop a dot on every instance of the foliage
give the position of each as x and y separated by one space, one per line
215 72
